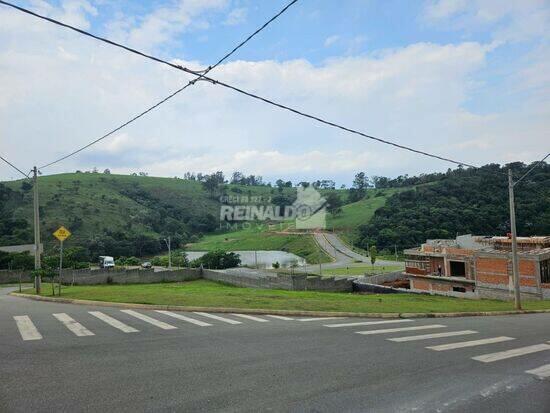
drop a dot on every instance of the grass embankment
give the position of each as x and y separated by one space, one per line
262 237
210 294
360 212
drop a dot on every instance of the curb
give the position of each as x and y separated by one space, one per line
275 312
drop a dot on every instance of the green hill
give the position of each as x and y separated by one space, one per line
463 201
123 215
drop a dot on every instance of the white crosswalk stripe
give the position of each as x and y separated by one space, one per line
516 352
250 317
369 323
184 318
74 326
26 328
150 320
397 330
319 318
430 336
280 317
473 343
217 317
113 322
541 372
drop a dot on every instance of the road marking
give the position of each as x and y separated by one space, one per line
150 320
319 318
396 330
436 335
541 372
184 318
369 323
250 317
74 326
501 355
280 317
26 328
217 317
472 343
113 322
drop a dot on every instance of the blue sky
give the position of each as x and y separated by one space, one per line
460 78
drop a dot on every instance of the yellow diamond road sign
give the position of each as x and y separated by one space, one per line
62 233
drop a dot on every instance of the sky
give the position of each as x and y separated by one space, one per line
465 79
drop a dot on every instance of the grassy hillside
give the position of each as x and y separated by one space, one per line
123 215
131 215
360 212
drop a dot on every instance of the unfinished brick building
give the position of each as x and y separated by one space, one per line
480 267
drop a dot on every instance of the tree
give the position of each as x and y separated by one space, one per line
334 203
107 171
360 184
361 181
211 184
372 253
236 178
217 260
26 186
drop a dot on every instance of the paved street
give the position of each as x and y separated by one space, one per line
343 256
58 357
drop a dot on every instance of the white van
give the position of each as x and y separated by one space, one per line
106 262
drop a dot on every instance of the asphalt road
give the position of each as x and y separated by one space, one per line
272 365
343 255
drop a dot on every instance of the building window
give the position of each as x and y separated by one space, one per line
458 269
545 271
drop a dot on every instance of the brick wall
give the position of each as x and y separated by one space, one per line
491 266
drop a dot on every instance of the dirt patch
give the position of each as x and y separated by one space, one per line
398 284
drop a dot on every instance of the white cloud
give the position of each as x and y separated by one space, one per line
511 20
164 23
415 95
236 16
331 40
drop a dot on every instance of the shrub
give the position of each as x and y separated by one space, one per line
217 260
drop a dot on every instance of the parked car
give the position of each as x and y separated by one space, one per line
146 264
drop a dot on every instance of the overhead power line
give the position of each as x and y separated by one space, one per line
14 167
533 167
335 125
202 76
199 74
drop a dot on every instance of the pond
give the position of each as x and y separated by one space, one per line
263 259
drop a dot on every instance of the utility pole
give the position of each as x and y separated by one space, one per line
168 244
515 263
395 246
37 266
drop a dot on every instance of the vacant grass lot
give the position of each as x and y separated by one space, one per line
210 294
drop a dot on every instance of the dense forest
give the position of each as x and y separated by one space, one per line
462 201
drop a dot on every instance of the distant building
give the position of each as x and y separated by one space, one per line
480 267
